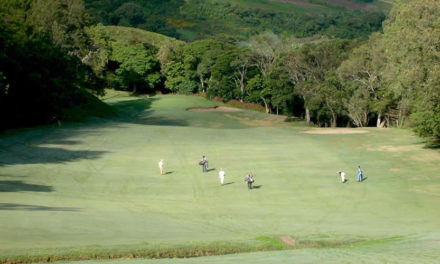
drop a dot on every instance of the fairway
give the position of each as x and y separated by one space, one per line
96 185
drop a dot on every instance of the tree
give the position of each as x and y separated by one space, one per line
200 57
363 70
241 65
333 94
100 50
266 50
64 21
129 14
139 69
39 78
308 68
258 91
412 36
176 80
222 78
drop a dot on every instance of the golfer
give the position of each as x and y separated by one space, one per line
204 163
342 175
360 174
161 166
250 179
221 175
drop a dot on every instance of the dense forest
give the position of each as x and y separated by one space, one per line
54 56
232 21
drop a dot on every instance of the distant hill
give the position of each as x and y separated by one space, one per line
235 20
129 34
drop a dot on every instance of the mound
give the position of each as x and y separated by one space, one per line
335 131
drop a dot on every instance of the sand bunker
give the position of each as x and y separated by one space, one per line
335 131
288 240
223 109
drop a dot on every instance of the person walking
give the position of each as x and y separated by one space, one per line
342 175
250 179
360 174
161 166
221 175
204 163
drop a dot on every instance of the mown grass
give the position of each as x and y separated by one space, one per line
93 190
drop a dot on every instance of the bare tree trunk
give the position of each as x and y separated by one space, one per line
242 87
203 84
277 109
334 117
379 122
266 106
307 115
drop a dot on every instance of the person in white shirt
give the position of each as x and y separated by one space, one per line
161 166
342 175
221 175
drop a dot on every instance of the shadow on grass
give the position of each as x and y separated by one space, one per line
26 207
35 155
169 172
212 169
257 186
364 179
46 145
228 183
20 186
137 111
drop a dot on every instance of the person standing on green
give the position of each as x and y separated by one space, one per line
204 163
250 179
161 166
360 174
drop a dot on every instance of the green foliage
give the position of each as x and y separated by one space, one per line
63 21
41 74
395 73
138 68
148 15
311 69
232 21
412 36
221 82
174 74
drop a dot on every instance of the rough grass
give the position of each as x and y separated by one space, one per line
161 251
93 190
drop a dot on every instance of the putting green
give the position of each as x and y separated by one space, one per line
97 184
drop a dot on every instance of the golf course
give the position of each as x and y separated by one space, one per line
92 191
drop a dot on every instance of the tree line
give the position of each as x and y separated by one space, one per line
390 79
387 80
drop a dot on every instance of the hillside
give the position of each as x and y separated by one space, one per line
236 20
129 34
